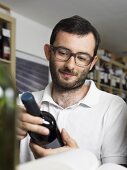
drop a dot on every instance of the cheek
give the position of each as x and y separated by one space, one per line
54 66
83 73
57 64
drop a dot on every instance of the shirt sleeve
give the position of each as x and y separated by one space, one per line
25 153
114 145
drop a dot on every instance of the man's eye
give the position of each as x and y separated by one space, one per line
62 52
81 58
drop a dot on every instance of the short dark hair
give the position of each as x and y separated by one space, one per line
76 25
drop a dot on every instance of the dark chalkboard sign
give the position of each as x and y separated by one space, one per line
30 76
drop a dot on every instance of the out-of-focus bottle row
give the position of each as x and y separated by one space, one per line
110 75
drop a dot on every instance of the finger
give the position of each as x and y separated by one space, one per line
42 152
68 140
38 151
20 108
35 128
26 125
19 137
25 117
31 123
21 132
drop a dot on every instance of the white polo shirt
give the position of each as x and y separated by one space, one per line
98 123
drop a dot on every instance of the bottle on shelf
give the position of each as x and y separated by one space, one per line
101 75
105 76
124 81
112 75
117 76
5 49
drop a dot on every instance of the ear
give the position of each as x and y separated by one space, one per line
47 51
93 62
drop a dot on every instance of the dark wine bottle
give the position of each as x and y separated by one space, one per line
7 121
5 42
53 140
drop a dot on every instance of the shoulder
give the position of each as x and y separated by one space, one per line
114 104
101 99
111 98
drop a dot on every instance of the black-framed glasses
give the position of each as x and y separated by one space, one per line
63 54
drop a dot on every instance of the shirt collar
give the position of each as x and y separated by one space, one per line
91 98
47 97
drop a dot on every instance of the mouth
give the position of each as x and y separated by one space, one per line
67 74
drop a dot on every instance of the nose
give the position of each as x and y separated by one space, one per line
70 64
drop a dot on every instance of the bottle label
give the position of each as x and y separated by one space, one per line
54 144
105 77
6 32
6 50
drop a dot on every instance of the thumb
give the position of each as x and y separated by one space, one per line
68 140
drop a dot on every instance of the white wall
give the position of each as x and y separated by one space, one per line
30 35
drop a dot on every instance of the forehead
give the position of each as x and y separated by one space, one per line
76 43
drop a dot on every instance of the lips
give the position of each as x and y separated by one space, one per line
67 74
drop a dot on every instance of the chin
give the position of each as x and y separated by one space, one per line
68 86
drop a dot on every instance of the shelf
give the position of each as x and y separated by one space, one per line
124 91
110 76
5 61
119 64
104 85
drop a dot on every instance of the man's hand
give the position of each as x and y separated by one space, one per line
27 122
41 152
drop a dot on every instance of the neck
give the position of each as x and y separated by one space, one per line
68 98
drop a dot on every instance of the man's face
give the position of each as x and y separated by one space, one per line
66 75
